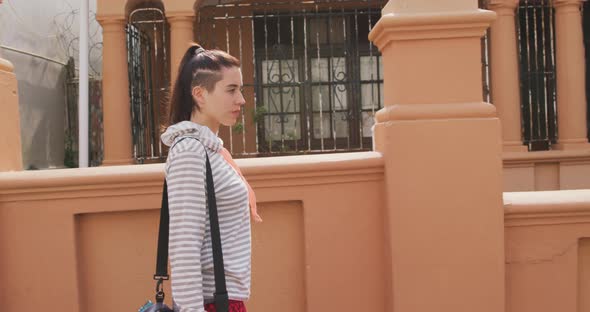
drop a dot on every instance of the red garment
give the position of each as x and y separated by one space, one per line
234 306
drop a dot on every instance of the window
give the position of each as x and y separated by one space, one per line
536 46
319 78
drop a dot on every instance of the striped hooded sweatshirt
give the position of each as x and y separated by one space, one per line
190 250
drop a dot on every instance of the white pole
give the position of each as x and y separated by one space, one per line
83 87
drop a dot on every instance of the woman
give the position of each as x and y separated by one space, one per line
207 94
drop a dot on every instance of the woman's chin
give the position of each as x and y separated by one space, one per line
230 123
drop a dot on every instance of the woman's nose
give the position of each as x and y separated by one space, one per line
241 99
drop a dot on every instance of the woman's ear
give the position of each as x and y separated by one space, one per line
199 96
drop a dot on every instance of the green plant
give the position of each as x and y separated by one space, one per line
238 128
258 114
70 155
291 135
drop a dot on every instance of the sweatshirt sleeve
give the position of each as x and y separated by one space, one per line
187 206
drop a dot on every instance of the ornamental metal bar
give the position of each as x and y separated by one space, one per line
586 29
485 59
536 45
148 65
255 116
316 80
71 119
243 117
357 90
319 78
307 73
348 115
292 24
281 92
137 88
227 48
332 75
485 67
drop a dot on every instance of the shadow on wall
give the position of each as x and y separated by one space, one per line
41 107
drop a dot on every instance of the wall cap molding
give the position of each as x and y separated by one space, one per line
546 207
419 26
515 159
148 179
435 111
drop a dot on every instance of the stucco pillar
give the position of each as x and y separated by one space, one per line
571 80
181 35
442 150
505 82
115 91
11 155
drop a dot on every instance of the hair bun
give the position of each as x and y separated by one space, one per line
195 50
199 51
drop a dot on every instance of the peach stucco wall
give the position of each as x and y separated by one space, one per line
546 170
85 239
547 251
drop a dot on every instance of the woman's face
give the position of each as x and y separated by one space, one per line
223 104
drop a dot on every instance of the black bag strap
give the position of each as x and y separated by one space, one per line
162 258
221 296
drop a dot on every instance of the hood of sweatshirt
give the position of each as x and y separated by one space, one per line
191 129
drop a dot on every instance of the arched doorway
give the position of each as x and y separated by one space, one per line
148 58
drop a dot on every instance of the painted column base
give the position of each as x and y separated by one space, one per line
514 146
575 144
10 140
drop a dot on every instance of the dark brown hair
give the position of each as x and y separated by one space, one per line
198 67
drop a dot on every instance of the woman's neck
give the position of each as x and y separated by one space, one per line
207 122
